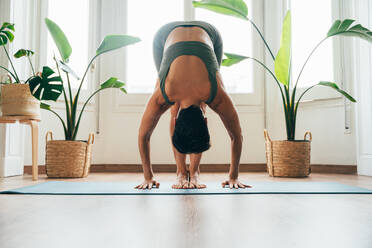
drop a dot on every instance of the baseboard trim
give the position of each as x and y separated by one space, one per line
211 168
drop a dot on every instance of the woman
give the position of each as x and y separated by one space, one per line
188 56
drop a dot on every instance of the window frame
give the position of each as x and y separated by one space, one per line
92 78
339 47
137 100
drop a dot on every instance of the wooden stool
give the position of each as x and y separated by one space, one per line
33 122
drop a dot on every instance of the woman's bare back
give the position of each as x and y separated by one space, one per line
187 81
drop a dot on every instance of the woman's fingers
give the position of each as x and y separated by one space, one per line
201 186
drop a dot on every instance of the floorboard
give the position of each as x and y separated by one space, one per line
189 220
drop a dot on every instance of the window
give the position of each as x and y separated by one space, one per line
236 35
77 33
145 22
310 23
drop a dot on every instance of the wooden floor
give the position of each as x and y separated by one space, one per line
187 221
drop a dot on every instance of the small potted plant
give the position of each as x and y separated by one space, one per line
291 157
71 157
16 98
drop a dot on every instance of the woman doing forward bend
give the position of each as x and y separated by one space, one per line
188 56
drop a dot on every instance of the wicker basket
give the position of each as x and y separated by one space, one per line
16 99
65 158
288 158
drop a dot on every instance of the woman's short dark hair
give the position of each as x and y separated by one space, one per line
191 133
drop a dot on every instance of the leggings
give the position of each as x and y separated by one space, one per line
211 57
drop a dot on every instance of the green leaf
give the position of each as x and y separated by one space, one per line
23 52
112 83
343 28
45 87
113 42
236 8
335 87
9 35
60 39
44 106
283 58
7 25
6 33
232 59
67 69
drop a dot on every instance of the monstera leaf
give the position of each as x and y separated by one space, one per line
343 28
60 39
23 52
236 8
283 58
6 34
44 87
112 42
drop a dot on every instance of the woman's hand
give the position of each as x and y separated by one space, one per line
148 184
234 184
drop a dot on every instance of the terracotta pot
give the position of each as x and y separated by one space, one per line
65 158
288 158
16 99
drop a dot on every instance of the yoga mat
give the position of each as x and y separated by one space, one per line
127 188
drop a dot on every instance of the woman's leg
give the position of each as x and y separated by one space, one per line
195 171
182 172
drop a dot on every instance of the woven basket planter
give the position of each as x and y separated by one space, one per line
288 158
65 158
16 99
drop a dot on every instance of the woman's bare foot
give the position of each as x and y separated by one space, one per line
194 182
182 181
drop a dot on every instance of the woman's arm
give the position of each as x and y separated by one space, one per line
224 107
154 109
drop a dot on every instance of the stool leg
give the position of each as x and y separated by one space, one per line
35 142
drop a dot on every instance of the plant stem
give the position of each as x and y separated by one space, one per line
11 63
76 98
68 115
271 73
59 117
69 88
82 111
8 72
307 59
32 67
259 32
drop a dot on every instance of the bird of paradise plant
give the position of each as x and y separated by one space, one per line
45 87
282 61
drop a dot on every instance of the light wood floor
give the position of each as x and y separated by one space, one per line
187 221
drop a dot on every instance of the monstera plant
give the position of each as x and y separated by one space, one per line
282 61
16 98
46 87
6 37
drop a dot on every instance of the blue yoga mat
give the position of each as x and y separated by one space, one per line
127 188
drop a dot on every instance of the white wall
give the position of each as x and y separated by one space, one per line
117 140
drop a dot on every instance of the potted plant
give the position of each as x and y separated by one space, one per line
71 157
16 98
288 158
